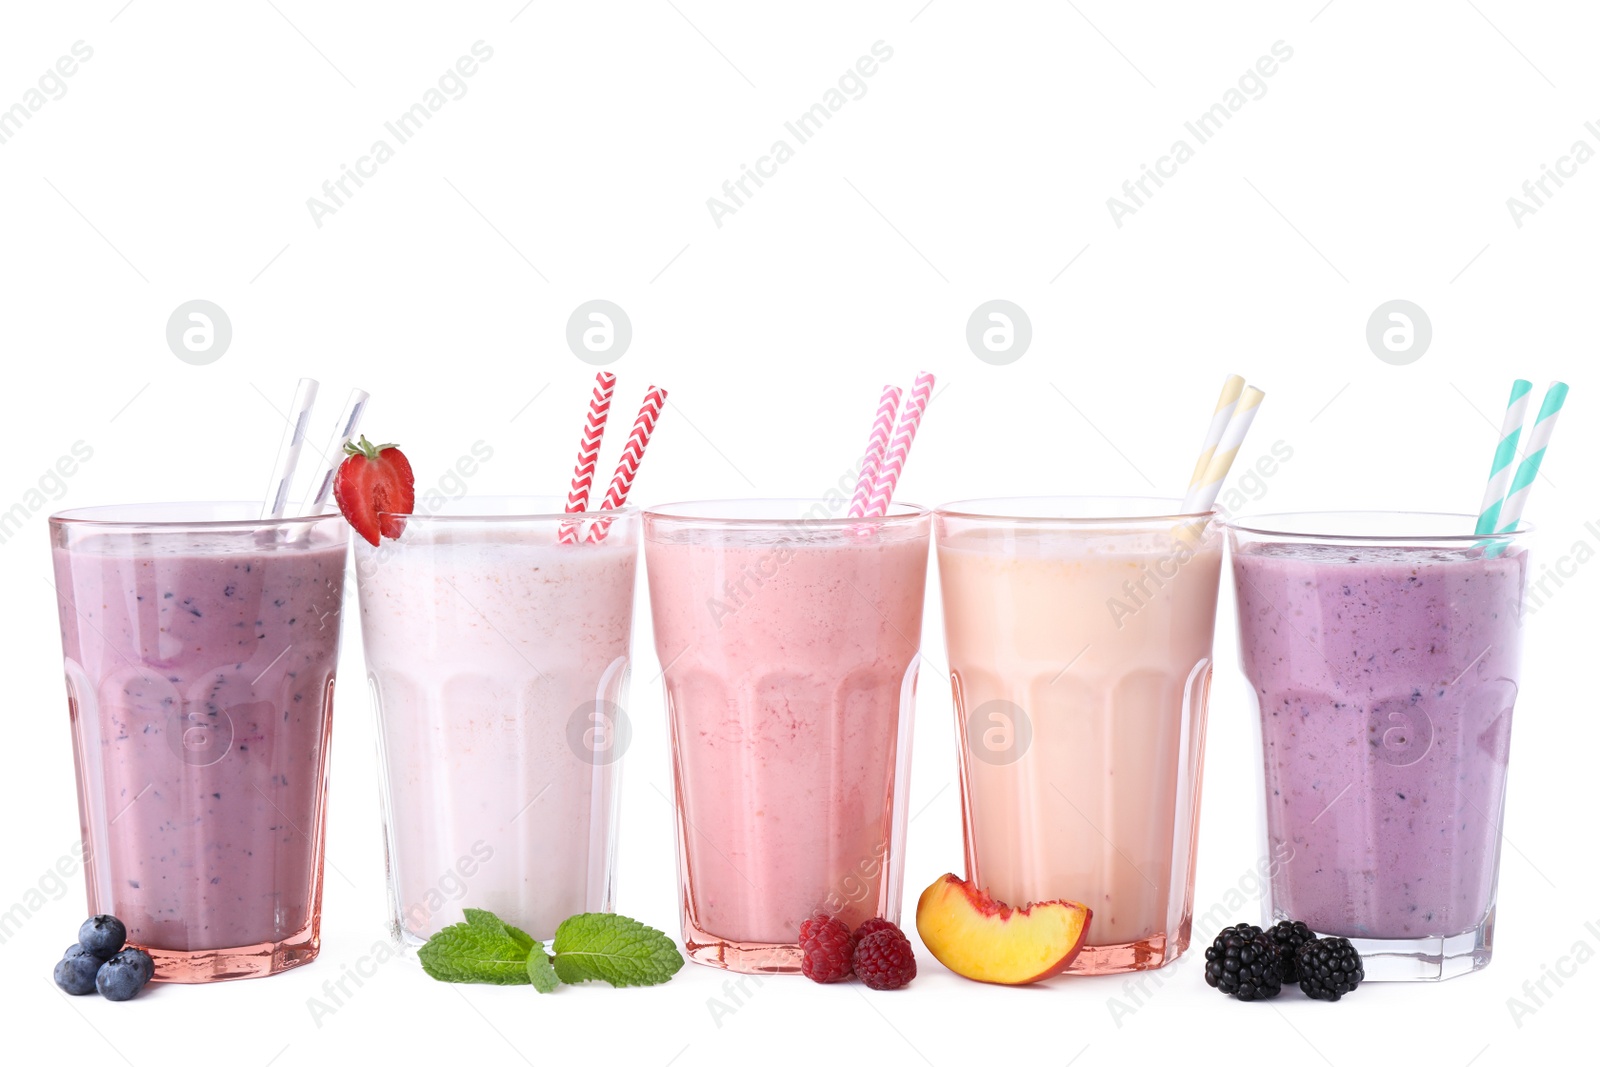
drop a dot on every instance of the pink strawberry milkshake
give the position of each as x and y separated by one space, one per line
789 649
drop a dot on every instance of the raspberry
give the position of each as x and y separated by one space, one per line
826 945
884 959
872 926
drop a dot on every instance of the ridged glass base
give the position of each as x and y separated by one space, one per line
1426 959
246 961
745 957
1145 955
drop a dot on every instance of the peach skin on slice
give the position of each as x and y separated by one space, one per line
980 938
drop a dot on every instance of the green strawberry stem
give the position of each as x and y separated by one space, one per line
363 447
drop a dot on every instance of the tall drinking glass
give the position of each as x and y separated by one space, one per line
789 645
1079 632
1383 653
200 644
497 635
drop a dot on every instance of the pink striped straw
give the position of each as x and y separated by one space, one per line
877 443
894 459
632 455
594 429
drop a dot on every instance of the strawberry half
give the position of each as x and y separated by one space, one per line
375 480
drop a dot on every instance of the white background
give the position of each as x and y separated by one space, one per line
977 165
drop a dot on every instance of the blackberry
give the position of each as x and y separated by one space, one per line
1243 962
1289 936
1329 968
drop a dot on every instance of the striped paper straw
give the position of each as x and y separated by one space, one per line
294 436
632 454
1232 386
1544 424
594 429
1500 472
877 444
1202 497
894 460
344 430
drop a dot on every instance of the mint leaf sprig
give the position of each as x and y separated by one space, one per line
614 949
482 949
541 972
592 946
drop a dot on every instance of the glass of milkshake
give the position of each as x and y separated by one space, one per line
200 644
789 641
1383 654
498 653
1079 634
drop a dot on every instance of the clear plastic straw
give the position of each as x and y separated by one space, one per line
294 436
344 430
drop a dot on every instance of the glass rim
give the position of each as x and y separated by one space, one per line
703 513
973 508
114 516
513 516
1277 524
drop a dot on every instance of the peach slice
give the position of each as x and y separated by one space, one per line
980 938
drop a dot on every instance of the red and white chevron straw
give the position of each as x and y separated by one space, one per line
594 429
632 454
894 460
877 443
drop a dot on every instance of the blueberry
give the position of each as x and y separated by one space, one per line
103 935
77 949
76 974
141 961
119 978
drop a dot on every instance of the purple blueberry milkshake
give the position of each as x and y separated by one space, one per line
200 648
1385 672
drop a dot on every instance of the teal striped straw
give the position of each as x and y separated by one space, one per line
1538 442
1500 473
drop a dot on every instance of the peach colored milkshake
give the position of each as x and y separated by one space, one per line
1080 655
789 651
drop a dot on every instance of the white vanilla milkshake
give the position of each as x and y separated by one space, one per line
499 661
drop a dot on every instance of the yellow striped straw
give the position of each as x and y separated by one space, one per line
1204 494
1231 388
